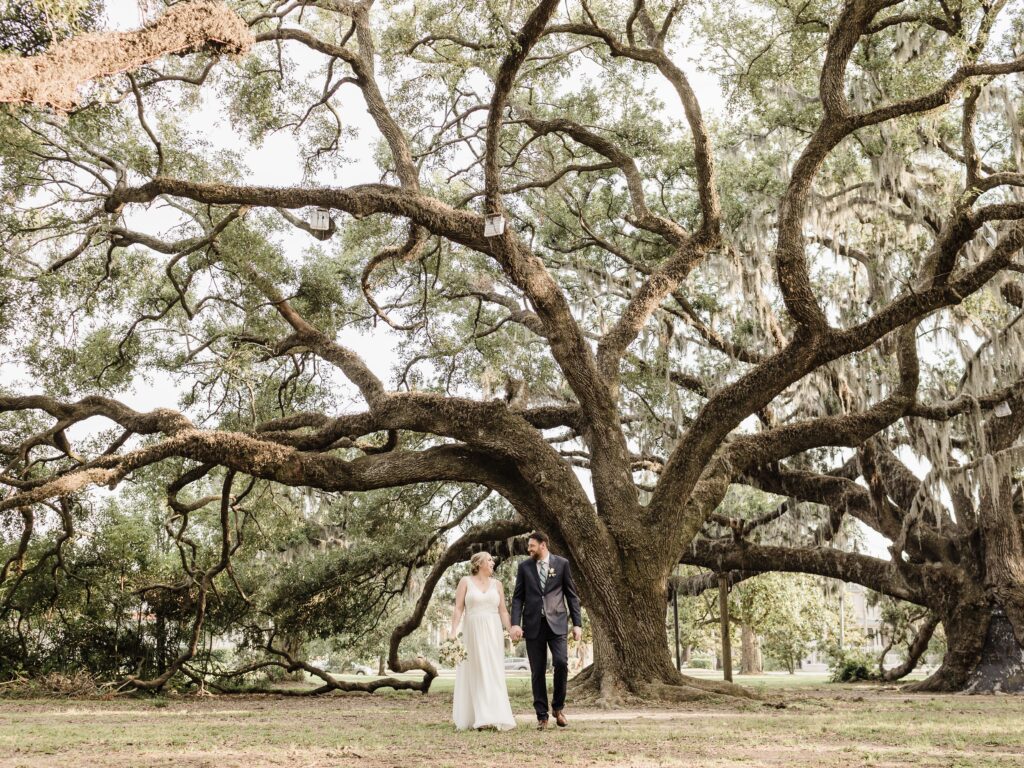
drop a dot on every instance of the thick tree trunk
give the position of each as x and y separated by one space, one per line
1000 669
984 654
982 606
750 651
985 629
632 659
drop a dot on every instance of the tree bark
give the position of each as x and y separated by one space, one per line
984 653
986 629
977 605
52 78
750 651
292 644
632 659
914 652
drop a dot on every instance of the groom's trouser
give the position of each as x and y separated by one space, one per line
537 650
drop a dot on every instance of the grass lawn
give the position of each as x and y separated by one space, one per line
821 725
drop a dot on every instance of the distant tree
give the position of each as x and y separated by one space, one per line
780 616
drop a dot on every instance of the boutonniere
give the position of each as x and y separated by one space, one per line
551 572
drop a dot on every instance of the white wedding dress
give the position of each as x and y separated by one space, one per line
481 696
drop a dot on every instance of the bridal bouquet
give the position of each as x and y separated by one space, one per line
453 652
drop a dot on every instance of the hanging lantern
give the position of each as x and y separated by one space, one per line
319 219
494 225
1003 410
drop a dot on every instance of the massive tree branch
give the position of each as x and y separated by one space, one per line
752 391
871 572
52 78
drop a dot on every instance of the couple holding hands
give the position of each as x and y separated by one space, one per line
544 587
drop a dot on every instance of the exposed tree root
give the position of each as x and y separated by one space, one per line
598 688
330 684
940 681
339 687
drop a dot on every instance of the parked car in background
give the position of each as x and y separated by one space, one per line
516 663
362 669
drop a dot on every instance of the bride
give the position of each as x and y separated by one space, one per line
481 696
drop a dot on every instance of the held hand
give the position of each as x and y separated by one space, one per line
577 633
515 633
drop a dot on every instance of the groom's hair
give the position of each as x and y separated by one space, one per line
539 536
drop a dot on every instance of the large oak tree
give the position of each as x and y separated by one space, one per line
673 305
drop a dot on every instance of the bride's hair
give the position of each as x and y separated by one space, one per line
476 560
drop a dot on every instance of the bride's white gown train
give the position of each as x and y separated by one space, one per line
481 696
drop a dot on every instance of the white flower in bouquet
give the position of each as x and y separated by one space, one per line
453 652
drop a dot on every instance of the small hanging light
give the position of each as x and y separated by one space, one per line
1003 410
320 219
494 224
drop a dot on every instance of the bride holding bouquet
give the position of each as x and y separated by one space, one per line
481 695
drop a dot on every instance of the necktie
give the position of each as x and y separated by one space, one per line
543 571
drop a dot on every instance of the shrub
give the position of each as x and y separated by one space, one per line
853 666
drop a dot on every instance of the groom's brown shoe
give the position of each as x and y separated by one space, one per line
560 718
542 725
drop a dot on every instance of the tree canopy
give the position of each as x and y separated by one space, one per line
798 291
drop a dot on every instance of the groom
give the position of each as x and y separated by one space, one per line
543 585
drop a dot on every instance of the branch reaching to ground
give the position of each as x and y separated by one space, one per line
460 550
915 651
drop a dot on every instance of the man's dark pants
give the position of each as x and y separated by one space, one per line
537 650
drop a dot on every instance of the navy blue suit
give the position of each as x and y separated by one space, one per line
545 623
